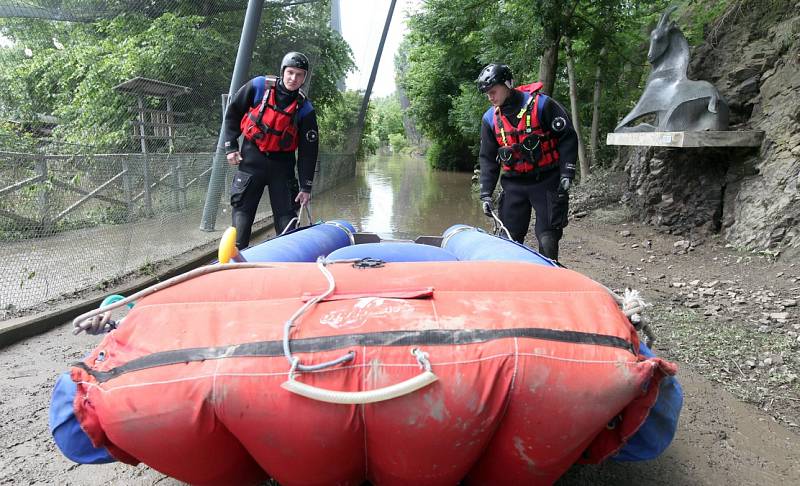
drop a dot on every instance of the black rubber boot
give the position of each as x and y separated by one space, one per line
548 244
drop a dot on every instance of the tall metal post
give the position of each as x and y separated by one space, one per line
336 25
127 187
362 113
43 195
241 68
174 166
148 198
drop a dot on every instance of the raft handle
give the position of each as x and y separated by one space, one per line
370 396
360 398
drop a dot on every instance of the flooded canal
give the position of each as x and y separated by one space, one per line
401 197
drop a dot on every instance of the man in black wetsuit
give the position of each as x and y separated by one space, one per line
276 120
526 137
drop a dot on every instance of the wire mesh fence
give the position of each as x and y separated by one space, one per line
109 120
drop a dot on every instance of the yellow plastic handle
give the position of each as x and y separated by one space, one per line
227 246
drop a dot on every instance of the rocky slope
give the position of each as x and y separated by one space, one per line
752 54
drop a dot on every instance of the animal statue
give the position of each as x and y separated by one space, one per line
677 102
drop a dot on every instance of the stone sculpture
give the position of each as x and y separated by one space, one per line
677 102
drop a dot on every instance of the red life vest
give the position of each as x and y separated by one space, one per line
516 155
270 128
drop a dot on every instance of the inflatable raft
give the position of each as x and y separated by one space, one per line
464 357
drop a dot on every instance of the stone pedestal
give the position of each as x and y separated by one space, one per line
681 191
748 138
678 180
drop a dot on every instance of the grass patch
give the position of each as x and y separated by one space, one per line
756 367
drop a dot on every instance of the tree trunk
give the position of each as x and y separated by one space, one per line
548 67
573 99
598 85
412 134
555 20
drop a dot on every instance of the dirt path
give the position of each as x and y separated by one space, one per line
738 360
722 439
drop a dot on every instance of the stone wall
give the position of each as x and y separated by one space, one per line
678 190
752 55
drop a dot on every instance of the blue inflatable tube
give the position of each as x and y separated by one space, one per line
468 243
304 245
658 430
394 252
67 432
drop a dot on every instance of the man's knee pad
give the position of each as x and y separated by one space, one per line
548 244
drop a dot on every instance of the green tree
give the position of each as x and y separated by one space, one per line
398 142
69 69
336 125
443 46
387 117
449 41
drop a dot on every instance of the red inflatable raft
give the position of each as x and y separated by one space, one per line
486 372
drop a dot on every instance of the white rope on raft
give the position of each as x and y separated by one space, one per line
297 220
632 304
294 362
86 320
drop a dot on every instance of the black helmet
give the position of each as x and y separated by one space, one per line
494 74
294 59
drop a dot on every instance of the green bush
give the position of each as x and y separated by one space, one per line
337 121
450 155
398 143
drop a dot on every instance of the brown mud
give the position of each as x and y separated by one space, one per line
727 317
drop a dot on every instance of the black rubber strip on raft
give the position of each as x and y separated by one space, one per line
432 337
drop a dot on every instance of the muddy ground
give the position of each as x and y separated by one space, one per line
729 318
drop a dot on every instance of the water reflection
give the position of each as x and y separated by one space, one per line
401 197
380 204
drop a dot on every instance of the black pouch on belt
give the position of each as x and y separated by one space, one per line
240 182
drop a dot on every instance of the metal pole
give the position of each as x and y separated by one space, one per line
241 68
362 114
336 24
43 196
127 186
148 199
175 164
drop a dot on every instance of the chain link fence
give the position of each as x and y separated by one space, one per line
109 120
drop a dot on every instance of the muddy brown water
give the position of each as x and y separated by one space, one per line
720 441
401 198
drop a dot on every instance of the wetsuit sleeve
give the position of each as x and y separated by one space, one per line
238 106
307 150
487 158
555 117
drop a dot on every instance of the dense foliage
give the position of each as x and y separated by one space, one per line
387 123
451 40
69 69
336 125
